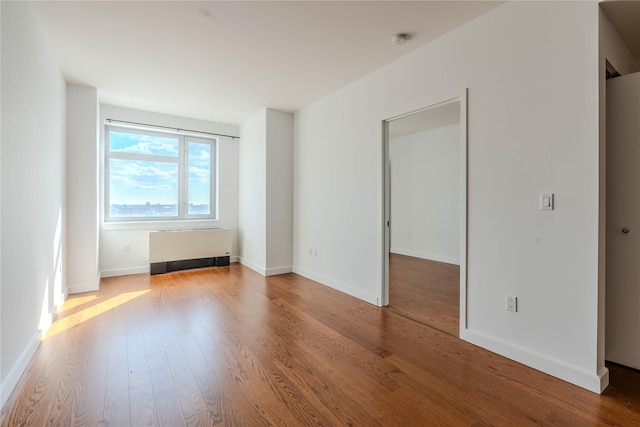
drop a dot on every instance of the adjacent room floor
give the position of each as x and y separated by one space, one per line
426 291
228 346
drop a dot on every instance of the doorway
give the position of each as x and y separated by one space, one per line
623 221
425 215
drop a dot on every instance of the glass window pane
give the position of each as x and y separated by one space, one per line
142 188
138 143
199 175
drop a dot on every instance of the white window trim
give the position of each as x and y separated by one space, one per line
163 222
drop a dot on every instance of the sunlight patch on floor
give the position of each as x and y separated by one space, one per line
89 313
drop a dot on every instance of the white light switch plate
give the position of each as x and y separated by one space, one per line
546 201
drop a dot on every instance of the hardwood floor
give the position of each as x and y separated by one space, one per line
426 291
227 346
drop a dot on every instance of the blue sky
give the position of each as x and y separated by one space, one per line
141 181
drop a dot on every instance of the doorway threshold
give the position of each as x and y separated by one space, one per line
447 329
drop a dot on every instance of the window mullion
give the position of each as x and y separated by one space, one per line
142 157
213 190
154 162
182 184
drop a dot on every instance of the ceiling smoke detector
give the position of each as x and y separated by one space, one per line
400 39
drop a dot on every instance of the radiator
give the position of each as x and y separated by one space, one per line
182 249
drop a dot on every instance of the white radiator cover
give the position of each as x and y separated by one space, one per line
177 245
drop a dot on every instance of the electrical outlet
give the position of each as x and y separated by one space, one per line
511 303
127 247
310 251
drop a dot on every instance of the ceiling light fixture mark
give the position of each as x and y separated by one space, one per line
400 39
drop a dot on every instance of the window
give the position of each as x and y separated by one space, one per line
158 176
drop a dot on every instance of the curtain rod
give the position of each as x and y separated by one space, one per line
168 127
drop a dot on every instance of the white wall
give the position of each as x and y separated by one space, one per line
266 192
425 194
33 189
529 131
114 260
279 198
253 192
82 188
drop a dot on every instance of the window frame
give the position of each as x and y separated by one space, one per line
182 160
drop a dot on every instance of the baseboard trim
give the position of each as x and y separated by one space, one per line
12 378
139 270
557 368
124 271
45 323
255 267
278 270
425 255
60 299
337 285
79 288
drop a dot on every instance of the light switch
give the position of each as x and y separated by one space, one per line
546 201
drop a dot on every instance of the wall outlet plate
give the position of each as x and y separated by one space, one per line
511 303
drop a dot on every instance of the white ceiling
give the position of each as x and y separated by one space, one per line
224 61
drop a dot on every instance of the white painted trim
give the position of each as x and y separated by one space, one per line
124 271
337 285
557 368
46 324
12 378
278 270
425 255
383 298
138 270
464 212
257 268
60 299
604 379
79 288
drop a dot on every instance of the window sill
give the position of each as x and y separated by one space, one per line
188 224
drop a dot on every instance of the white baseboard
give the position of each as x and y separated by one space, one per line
255 267
263 270
557 368
12 378
337 285
141 270
89 286
124 271
425 255
45 324
278 270
60 299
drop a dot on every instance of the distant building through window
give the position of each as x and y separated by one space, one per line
154 175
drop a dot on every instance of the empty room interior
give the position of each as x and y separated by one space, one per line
319 213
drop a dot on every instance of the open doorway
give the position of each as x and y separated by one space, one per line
425 213
623 223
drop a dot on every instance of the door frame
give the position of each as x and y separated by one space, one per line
463 195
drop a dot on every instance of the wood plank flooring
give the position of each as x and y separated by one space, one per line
426 291
227 346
